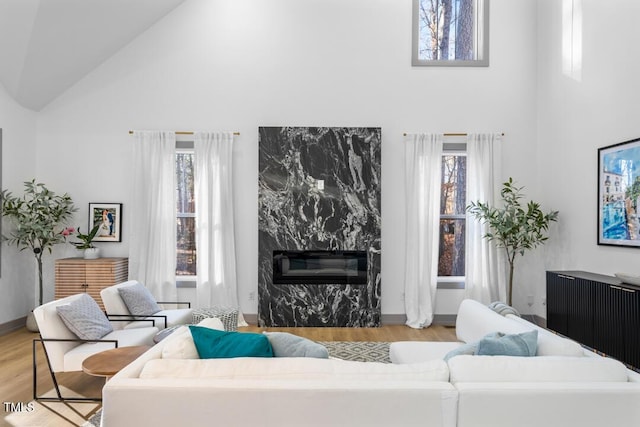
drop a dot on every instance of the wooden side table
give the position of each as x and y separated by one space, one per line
109 362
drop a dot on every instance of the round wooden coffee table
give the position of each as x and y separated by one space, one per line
109 362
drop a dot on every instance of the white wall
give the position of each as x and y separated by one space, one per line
231 65
17 277
578 116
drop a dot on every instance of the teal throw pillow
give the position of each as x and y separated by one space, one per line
285 344
468 349
214 344
499 344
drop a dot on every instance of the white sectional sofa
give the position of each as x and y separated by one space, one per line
563 385
161 390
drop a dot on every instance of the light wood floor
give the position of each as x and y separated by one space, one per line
16 379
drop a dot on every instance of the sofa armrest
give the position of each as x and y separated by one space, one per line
131 318
79 340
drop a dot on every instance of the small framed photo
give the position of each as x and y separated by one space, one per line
109 216
619 194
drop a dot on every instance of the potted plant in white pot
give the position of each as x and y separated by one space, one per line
37 218
86 243
514 227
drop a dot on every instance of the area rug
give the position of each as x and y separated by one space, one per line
358 351
94 421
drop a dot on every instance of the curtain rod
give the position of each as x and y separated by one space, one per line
185 132
452 134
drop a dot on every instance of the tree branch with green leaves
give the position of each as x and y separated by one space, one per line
37 218
516 227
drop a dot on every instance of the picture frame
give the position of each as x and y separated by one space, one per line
110 215
619 194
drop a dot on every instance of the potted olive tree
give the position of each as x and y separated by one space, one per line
514 227
37 219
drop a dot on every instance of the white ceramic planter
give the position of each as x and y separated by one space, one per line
92 253
32 325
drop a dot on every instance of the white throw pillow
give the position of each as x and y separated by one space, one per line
179 345
84 318
139 300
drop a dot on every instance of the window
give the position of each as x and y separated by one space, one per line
185 216
453 202
450 32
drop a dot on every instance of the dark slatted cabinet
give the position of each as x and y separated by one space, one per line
598 311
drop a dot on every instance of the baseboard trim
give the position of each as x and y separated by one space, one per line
13 325
401 319
540 321
393 319
251 319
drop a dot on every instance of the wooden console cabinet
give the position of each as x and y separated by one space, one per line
598 311
75 275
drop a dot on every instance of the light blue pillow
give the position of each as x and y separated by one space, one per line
139 300
285 344
499 344
468 349
84 318
214 344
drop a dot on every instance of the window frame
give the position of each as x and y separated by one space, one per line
185 146
481 40
458 148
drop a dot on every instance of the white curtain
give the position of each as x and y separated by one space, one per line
423 158
215 238
152 254
485 264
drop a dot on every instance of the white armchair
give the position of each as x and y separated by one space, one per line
65 351
116 307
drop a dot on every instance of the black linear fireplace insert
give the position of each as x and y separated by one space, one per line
320 267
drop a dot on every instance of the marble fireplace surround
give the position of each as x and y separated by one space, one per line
319 190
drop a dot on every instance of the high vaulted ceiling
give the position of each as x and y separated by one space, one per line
48 45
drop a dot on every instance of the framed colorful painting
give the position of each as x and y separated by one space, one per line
619 194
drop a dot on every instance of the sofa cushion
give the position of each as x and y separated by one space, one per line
535 369
296 368
178 316
84 318
420 351
550 344
213 344
475 320
497 344
179 345
125 338
139 300
288 345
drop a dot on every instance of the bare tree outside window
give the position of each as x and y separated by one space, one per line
185 216
453 201
451 32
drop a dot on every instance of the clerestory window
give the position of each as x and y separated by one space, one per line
450 33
